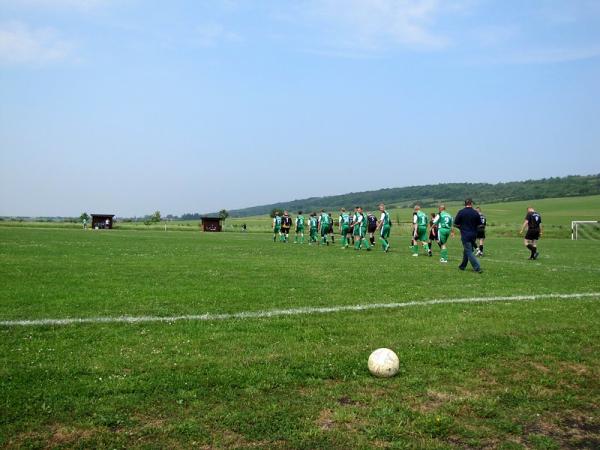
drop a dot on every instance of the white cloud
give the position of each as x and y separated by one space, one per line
20 44
377 24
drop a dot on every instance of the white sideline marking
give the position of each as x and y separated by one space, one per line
287 312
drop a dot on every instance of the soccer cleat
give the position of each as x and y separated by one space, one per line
535 256
415 254
442 260
430 253
478 271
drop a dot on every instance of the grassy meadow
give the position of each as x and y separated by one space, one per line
510 374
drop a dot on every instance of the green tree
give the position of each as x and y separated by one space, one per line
223 214
84 216
154 218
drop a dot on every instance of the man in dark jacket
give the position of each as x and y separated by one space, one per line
467 220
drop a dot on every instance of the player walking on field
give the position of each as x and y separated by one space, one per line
433 233
419 230
481 232
324 220
299 228
533 223
313 228
444 223
344 221
286 224
276 226
360 229
467 220
384 225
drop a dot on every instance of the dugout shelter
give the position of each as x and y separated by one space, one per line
102 221
210 223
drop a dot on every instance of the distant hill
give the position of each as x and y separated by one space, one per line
431 194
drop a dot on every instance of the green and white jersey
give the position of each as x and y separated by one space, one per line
385 219
277 221
300 221
324 219
420 218
443 220
345 220
313 222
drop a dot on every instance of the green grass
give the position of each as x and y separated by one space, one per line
504 375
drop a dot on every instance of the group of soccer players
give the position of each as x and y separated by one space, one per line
355 226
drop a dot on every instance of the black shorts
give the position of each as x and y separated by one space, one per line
285 230
372 228
481 234
532 235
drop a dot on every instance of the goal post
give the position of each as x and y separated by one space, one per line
585 229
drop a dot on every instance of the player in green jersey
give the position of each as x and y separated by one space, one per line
299 228
324 224
344 221
384 225
419 230
276 226
313 223
444 222
360 229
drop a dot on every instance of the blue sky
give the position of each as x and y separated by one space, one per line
132 106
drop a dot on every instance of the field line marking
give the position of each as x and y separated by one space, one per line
288 312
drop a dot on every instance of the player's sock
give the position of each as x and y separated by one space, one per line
415 249
481 248
426 247
332 239
444 254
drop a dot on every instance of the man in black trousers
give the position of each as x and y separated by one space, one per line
467 220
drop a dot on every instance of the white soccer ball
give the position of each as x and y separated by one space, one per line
384 363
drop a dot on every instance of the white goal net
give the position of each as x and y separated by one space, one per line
585 229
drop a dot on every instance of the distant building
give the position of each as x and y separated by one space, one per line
102 221
211 223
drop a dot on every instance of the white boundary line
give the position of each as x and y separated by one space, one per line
287 312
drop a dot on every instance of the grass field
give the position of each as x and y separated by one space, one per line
507 374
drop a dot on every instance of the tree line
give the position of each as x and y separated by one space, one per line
433 194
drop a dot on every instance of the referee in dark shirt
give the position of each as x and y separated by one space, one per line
533 223
467 220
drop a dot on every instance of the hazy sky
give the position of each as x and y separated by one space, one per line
129 106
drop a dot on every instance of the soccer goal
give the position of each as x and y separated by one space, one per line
585 229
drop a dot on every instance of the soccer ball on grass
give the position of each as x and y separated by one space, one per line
384 363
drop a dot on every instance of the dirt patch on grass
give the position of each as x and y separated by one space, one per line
577 430
61 435
325 420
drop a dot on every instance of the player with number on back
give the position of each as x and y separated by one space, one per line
444 223
344 220
419 231
324 226
533 223
313 222
276 226
481 232
299 228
